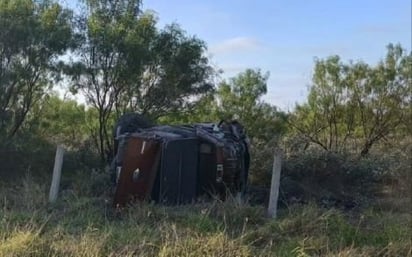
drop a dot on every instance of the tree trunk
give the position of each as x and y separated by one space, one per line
365 150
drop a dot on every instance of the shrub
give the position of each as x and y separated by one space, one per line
332 179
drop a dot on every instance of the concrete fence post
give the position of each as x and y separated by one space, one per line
57 170
274 188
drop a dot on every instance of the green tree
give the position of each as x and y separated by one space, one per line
114 37
33 35
126 64
203 110
322 117
353 106
241 97
61 121
174 77
381 96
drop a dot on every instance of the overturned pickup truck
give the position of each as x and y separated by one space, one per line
178 164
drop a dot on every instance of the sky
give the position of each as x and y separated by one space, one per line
284 36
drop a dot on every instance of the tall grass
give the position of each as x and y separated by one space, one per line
83 224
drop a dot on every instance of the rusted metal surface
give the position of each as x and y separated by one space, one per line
138 170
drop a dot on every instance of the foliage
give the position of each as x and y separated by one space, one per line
33 35
332 179
61 121
126 64
240 98
204 110
82 225
175 76
122 62
110 33
353 106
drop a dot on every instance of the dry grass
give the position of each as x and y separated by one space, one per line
81 225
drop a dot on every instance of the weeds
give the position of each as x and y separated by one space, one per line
82 224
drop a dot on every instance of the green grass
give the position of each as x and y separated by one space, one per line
80 224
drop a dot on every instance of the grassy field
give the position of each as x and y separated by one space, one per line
81 224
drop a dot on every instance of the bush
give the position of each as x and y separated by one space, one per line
332 179
329 179
28 154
